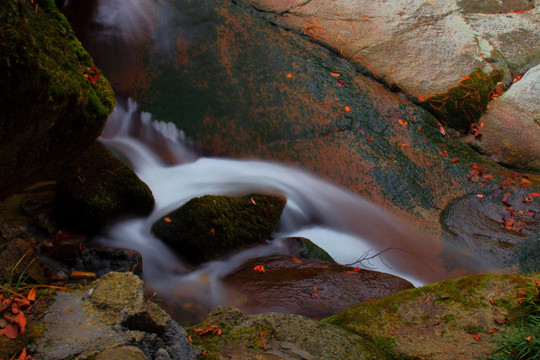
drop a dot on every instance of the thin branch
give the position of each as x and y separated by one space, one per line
366 258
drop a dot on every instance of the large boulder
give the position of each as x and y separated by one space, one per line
211 226
54 101
457 319
112 312
233 335
421 47
511 127
314 288
97 189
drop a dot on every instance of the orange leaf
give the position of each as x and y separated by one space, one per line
534 194
347 109
477 337
297 260
335 74
190 339
476 166
253 201
259 268
31 294
23 355
455 160
517 78
213 231
493 330
167 219
522 292
492 302
441 129
528 338
356 269
480 195
21 320
289 75
369 139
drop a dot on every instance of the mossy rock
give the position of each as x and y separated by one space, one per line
307 249
277 336
463 104
98 189
54 101
210 226
453 319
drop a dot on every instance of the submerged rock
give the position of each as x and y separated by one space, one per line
54 101
211 226
314 288
99 189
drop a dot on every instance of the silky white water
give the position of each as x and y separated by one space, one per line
342 223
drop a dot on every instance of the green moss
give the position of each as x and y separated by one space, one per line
97 190
46 98
211 226
464 104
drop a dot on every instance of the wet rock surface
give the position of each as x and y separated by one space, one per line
111 315
211 226
98 189
314 288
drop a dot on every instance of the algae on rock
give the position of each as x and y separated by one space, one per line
54 101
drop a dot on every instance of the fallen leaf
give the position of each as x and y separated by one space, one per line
528 338
23 355
517 78
190 339
31 294
480 195
493 330
297 260
340 83
259 268
335 74
253 201
21 320
213 231
477 337
534 194
522 292
369 139
347 109
492 302
455 160
441 129
476 166
436 323
356 269
289 75
10 331
167 219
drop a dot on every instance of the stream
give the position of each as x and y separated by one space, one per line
342 223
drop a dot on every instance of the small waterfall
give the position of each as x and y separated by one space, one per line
342 223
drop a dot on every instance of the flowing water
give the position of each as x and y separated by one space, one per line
342 223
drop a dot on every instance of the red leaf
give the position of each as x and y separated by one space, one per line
297 260
529 338
492 302
476 166
10 331
341 83
369 139
501 320
534 194
23 355
356 269
477 337
493 330
455 160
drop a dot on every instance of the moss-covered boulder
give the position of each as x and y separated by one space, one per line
455 319
233 335
211 226
98 189
54 101
306 249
